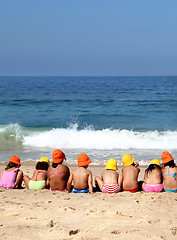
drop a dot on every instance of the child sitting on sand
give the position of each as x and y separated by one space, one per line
110 180
130 173
153 177
169 173
58 173
39 178
81 177
11 177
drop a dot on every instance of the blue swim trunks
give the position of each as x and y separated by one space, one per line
86 190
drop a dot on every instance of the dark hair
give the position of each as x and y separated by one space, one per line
54 165
11 165
170 164
151 167
42 166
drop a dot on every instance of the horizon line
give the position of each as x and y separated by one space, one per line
88 75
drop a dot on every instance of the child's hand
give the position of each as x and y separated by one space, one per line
136 164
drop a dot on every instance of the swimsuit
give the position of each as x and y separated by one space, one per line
55 174
131 190
170 190
174 175
153 188
36 185
86 190
111 188
8 179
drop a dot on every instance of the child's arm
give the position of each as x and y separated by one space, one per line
120 179
19 179
47 185
69 182
90 184
67 174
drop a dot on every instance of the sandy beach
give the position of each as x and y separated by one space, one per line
55 215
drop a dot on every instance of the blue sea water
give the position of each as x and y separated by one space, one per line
103 116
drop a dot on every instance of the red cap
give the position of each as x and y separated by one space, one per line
15 159
58 156
83 160
166 157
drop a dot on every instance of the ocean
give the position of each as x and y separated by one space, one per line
104 117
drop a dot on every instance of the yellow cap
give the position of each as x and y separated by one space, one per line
127 160
44 159
111 164
156 161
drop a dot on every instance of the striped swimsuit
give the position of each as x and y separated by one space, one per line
111 188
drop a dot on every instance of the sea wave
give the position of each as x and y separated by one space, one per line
87 138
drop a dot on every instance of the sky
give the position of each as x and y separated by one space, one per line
88 38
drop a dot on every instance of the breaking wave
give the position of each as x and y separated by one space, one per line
87 138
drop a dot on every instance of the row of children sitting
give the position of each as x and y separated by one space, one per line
57 177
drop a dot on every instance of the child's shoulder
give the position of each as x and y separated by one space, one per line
75 170
88 171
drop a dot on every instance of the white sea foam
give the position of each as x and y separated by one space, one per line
106 139
100 145
88 138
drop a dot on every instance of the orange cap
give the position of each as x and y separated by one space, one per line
166 157
83 160
15 159
58 156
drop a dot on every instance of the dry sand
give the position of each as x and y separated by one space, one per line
55 215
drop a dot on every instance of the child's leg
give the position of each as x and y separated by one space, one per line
26 180
99 182
19 179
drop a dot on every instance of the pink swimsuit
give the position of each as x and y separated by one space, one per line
8 179
153 188
58 173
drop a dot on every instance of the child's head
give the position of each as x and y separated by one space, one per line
43 164
14 161
111 164
58 156
166 157
83 160
155 163
127 160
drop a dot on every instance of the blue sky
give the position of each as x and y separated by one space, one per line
98 37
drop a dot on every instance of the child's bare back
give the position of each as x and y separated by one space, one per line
130 173
154 177
81 177
130 177
110 177
110 181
